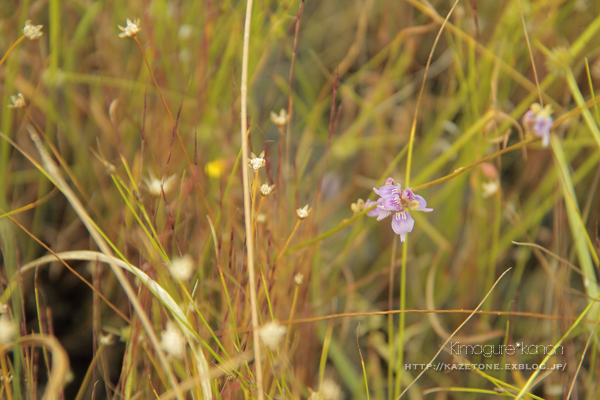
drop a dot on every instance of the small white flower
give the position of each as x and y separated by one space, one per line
7 329
185 31
155 186
257 163
18 101
271 334
280 120
303 212
107 340
489 188
265 189
32 32
331 390
131 29
172 341
182 269
261 218
299 278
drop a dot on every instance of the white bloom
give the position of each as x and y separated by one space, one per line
131 29
182 269
185 31
271 334
107 340
298 279
7 329
265 189
331 390
280 120
303 212
489 188
32 32
172 341
261 218
257 162
155 186
18 101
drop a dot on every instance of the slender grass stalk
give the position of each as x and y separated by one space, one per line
247 205
5 372
10 49
187 157
59 181
455 332
282 252
391 318
529 382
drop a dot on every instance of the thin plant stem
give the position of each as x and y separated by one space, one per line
5 378
254 186
391 316
247 205
10 49
292 311
256 214
475 311
187 157
288 241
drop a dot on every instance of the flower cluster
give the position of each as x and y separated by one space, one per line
538 121
131 29
394 200
32 32
18 101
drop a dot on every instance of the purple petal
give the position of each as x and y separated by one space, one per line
391 203
542 126
375 212
383 214
388 190
402 223
422 204
529 120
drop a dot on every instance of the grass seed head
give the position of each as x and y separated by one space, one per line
271 334
32 32
18 101
131 29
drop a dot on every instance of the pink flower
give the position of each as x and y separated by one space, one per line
393 200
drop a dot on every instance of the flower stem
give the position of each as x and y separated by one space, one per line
247 206
173 122
460 170
288 241
10 49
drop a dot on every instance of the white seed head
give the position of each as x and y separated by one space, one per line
489 188
265 189
303 212
271 334
131 29
107 340
182 269
331 390
280 120
298 279
155 185
257 163
172 341
32 32
185 31
8 329
18 101
261 218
